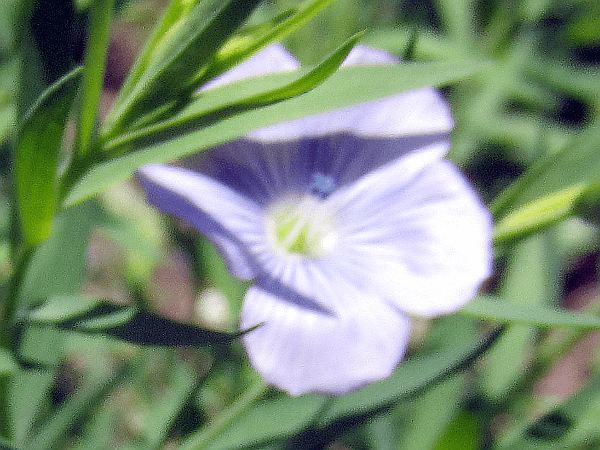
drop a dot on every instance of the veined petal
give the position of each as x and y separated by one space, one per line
258 172
266 171
343 144
232 221
419 112
425 245
301 350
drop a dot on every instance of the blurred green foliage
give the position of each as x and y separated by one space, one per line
522 77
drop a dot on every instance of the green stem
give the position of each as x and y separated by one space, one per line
7 320
9 306
213 430
93 77
6 426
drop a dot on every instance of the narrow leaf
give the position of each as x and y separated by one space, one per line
124 322
182 385
93 76
239 48
36 155
538 214
192 119
258 425
577 164
58 265
173 18
495 310
168 79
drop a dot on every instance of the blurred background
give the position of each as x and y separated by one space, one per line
540 88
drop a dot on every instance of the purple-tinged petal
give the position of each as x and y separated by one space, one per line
422 241
301 350
266 172
361 55
414 113
232 221
259 172
342 145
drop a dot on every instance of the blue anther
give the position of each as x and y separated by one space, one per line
322 185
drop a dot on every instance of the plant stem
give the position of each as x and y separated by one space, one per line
93 77
7 321
213 430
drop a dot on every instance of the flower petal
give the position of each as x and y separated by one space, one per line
266 172
419 112
361 55
232 221
301 350
259 172
343 144
421 237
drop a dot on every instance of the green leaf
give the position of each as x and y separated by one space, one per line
173 18
39 140
61 308
431 411
163 414
235 50
293 414
462 434
88 315
538 214
496 310
457 19
58 265
431 414
557 177
238 48
555 188
169 78
193 118
527 284
348 86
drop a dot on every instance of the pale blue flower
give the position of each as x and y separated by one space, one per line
348 221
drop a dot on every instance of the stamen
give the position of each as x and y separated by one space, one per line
301 226
322 185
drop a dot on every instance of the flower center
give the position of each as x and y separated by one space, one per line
302 226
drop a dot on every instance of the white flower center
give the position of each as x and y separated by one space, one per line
301 226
